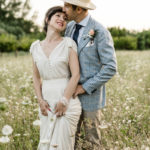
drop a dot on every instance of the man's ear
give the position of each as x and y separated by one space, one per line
79 10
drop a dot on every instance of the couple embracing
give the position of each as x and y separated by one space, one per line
69 76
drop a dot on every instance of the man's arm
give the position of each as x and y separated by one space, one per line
108 59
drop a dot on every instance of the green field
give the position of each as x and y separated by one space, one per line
126 118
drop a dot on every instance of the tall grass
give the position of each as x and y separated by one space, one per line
126 118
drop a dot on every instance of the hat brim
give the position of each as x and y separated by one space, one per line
90 5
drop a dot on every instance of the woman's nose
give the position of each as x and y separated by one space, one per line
62 18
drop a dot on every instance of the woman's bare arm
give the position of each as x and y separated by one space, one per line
37 82
38 90
75 74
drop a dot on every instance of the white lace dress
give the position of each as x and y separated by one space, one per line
56 133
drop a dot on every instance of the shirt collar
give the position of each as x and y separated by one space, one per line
84 21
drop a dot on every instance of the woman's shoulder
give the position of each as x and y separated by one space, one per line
69 39
33 45
71 43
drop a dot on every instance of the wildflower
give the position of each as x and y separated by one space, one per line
17 134
126 148
7 130
2 100
4 139
103 126
140 80
37 123
127 108
26 134
115 109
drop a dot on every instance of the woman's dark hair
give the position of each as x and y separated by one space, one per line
49 15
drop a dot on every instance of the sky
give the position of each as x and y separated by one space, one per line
129 14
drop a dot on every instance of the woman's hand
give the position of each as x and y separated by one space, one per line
60 109
44 106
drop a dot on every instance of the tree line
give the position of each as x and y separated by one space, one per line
17 32
130 40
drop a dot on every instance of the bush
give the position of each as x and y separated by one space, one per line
8 43
24 43
127 42
141 42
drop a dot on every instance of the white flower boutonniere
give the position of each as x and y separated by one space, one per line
91 35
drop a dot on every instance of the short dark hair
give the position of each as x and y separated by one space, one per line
49 14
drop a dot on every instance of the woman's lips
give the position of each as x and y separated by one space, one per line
60 24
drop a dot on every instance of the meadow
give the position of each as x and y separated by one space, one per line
125 122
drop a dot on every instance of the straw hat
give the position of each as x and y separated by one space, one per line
87 4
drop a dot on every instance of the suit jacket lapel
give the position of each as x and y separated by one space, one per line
84 40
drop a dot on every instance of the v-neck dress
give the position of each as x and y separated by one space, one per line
56 133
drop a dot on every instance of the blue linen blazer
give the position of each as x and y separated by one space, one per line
97 63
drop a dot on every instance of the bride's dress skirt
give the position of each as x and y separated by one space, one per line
58 133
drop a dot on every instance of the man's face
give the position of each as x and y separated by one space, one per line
70 13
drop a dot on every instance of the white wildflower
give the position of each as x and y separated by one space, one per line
37 123
129 121
3 100
127 108
140 80
143 147
115 109
126 148
17 134
130 98
36 110
25 103
26 134
147 148
104 126
4 139
7 130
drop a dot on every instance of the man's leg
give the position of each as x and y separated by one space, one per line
92 131
77 136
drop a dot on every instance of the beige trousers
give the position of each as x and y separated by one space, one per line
90 122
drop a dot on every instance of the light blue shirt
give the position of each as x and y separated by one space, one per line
83 23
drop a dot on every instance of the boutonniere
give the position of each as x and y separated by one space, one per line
91 35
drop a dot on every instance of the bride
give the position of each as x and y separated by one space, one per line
55 77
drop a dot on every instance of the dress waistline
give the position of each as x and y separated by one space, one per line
56 79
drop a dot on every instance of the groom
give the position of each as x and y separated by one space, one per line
97 65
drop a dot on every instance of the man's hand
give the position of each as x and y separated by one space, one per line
79 90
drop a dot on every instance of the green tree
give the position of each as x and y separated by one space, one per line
13 17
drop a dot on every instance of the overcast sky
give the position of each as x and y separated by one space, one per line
131 14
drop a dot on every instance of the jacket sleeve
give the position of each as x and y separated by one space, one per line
107 57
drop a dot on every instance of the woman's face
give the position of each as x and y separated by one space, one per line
58 21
